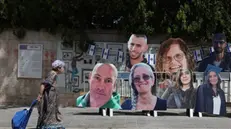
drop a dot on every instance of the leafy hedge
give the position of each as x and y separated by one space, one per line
191 19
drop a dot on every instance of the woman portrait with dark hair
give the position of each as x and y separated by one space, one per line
183 94
141 80
210 96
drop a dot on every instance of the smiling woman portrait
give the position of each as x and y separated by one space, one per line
210 97
141 80
174 55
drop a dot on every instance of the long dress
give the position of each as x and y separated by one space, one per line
49 114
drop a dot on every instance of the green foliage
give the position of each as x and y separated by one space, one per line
190 19
139 19
199 19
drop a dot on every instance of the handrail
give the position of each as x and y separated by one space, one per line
125 90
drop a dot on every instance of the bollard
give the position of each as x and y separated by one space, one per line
110 112
154 113
104 112
200 114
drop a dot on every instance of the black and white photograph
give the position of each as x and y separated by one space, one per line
66 66
85 74
77 49
67 55
76 81
88 59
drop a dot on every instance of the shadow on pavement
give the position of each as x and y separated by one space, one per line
86 113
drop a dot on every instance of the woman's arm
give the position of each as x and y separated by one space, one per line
42 87
166 93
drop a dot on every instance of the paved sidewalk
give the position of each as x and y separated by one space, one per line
76 118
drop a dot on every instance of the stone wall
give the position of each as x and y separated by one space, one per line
17 91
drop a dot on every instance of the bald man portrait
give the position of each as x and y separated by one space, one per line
102 88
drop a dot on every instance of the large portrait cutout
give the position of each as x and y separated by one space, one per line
142 80
102 92
174 65
219 56
210 96
182 94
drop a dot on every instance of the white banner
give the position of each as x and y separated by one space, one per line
30 58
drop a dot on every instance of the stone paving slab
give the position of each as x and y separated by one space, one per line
79 118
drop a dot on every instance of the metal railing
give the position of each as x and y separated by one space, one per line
123 88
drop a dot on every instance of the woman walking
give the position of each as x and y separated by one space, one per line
49 115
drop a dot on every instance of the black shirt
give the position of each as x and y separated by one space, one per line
129 65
